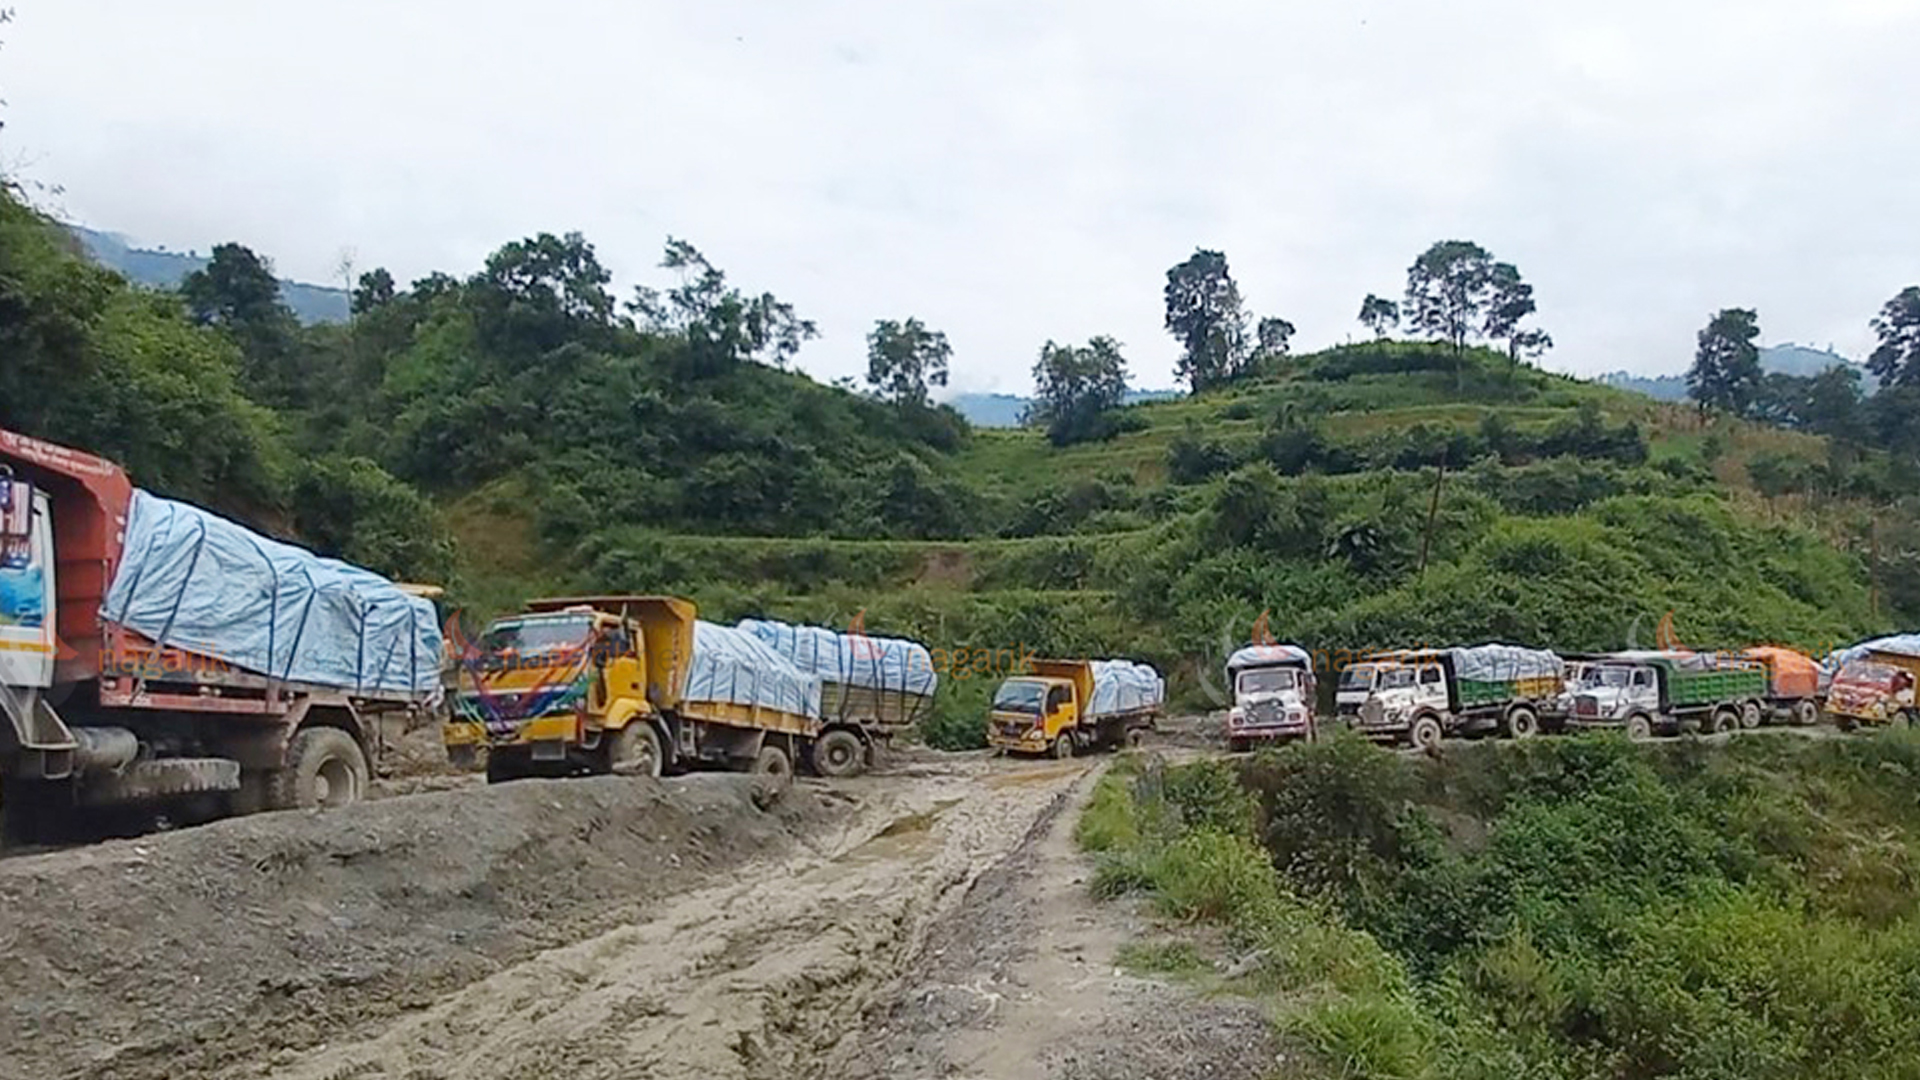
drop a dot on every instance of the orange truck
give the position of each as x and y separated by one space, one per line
1874 684
1793 687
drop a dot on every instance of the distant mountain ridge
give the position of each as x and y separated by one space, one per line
1801 360
167 269
1005 410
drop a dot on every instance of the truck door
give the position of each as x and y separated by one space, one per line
1432 691
27 604
1060 710
1643 691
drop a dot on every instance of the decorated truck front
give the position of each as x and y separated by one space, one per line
1873 682
1273 688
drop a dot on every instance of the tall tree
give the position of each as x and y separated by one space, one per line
721 325
1205 314
1075 387
237 292
1380 315
1896 360
1510 301
375 290
1449 288
539 294
1726 367
904 358
1274 334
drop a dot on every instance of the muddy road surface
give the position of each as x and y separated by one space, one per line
705 927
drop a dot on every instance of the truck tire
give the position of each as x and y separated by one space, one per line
773 761
1522 723
635 750
325 768
1806 714
1063 746
1427 733
1639 727
1751 714
839 753
1724 720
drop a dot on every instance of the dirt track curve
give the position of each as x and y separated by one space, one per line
929 922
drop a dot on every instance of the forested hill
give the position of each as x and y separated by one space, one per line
167 269
519 430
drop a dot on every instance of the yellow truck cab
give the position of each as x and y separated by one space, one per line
614 684
1060 706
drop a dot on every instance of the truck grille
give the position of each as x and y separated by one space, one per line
1586 706
1268 712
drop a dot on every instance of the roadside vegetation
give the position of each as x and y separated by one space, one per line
1566 908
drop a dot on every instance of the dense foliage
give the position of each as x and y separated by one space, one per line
1572 908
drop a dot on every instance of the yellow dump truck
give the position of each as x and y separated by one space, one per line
1059 707
630 684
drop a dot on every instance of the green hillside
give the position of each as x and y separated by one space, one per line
518 431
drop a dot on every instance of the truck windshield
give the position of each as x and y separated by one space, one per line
535 637
1877 676
1018 695
1269 681
1608 676
1357 678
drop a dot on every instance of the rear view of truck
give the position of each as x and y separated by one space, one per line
159 656
871 689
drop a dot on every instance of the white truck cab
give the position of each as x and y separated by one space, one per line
1384 698
1274 689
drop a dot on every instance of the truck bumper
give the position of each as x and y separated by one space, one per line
1269 732
1028 742
564 729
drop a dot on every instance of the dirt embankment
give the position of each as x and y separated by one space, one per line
178 954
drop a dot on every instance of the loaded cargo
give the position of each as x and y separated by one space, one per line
152 652
871 688
1060 707
1424 696
1649 693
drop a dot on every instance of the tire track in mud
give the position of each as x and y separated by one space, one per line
754 979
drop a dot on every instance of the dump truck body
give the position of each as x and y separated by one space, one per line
632 683
1061 706
1795 689
170 654
1273 689
1424 696
873 688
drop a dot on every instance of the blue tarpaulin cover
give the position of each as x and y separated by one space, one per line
1124 686
734 666
196 581
890 664
1899 644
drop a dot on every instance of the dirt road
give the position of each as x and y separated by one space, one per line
934 921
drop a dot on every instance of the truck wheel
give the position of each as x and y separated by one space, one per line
1639 728
1427 733
1135 737
1063 746
1750 715
1724 720
325 768
773 762
634 750
1522 723
839 753
1806 714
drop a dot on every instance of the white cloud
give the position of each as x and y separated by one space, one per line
1013 172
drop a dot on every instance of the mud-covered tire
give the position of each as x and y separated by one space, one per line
1062 747
1751 715
1806 714
1723 720
635 750
1135 738
325 769
839 753
1639 728
1522 723
1427 733
773 761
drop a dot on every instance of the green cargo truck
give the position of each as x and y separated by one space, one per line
1665 693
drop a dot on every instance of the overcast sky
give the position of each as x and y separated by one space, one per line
1011 171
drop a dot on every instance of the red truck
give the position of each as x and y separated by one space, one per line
155 655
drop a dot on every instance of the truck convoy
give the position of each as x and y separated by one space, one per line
1274 698
1061 706
871 689
155 654
1873 683
1649 693
629 684
1424 696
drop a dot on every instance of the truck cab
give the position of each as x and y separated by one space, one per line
1034 714
1273 696
1383 698
1608 695
544 691
28 601
1873 690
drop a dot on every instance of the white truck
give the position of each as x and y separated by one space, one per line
1424 696
1273 690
